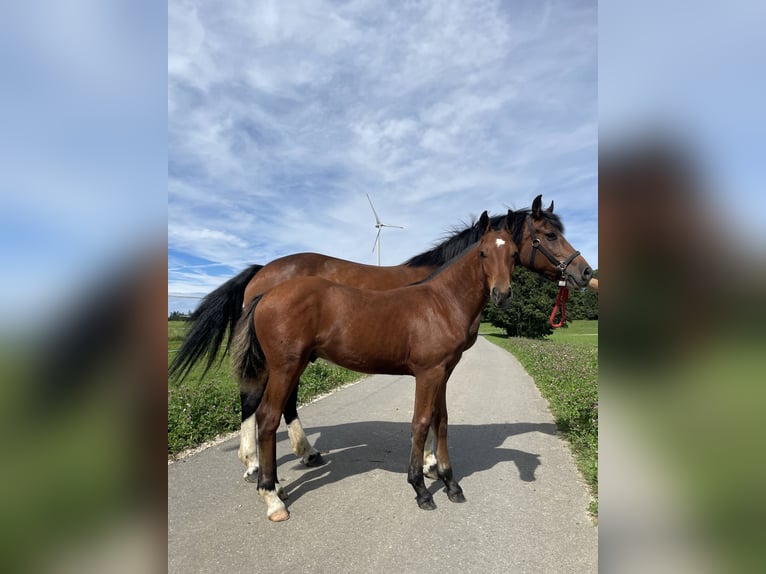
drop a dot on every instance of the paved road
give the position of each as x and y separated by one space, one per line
526 508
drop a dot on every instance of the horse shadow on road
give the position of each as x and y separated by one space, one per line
356 448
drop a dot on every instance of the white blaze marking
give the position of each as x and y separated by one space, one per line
499 242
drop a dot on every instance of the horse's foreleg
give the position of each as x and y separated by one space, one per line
298 441
426 387
444 467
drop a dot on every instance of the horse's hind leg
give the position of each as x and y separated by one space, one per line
298 441
430 458
429 455
250 392
282 382
444 467
268 421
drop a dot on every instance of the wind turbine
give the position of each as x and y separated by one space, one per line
379 226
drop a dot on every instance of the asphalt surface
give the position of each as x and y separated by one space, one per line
526 508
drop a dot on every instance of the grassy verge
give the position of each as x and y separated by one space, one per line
565 369
201 408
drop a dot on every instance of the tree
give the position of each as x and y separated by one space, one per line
528 311
178 316
583 304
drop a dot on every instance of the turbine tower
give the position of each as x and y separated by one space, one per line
379 225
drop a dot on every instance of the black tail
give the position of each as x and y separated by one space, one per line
247 360
218 313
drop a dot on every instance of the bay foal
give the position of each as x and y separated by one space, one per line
419 330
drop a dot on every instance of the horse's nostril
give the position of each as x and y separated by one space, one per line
587 273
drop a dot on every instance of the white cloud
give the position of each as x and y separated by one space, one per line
283 115
182 235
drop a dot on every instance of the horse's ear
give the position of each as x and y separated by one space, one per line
509 221
483 223
537 205
550 209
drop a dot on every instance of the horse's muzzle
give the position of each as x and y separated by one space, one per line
580 280
500 297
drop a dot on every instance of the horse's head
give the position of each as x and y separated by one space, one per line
498 253
541 231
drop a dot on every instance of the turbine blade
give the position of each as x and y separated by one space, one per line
377 219
374 245
387 225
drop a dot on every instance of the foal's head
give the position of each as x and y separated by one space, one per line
498 253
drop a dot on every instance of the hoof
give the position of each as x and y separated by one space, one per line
431 472
281 493
252 475
456 496
279 516
427 504
314 459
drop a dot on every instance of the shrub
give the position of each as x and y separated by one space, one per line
528 311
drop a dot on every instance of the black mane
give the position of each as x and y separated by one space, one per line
459 239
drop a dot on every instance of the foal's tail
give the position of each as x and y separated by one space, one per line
218 313
247 360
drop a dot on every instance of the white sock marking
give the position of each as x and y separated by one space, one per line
298 440
273 502
248 440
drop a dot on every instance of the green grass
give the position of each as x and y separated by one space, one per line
577 333
201 408
565 369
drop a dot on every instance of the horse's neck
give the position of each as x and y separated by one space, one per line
465 284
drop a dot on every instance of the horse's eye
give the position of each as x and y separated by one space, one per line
482 254
550 236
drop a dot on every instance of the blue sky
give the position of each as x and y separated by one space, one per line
281 116
82 149
697 73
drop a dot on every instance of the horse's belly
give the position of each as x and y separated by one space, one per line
364 358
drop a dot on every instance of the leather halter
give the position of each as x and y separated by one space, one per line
537 246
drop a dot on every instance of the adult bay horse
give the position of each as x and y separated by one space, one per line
534 230
420 330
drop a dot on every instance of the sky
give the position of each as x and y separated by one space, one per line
283 116
83 161
701 80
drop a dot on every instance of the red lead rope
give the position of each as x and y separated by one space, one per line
561 299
